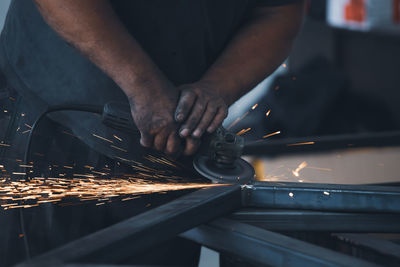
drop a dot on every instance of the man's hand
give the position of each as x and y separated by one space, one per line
201 108
153 113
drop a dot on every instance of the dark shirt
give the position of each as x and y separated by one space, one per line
182 37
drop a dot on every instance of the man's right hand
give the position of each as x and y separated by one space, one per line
153 112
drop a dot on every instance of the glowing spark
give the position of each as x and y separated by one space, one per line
103 138
284 65
254 107
237 120
27 131
17 193
326 193
319 169
22 114
118 138
19 173
298 169
27 125
243 131
68 133
268 112
5 111
271 134
118 148
68 167
26 166
7 145
301 144
1 166
100 173
291 194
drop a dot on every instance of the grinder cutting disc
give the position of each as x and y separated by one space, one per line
241 172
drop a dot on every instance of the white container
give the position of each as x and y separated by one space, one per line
365 15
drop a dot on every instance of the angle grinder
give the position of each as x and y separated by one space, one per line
219 159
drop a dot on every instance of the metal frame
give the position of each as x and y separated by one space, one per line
159 224
257 209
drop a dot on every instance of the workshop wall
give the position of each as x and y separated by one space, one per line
4 4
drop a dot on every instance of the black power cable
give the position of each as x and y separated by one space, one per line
84 108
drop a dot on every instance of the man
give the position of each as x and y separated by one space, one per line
179 63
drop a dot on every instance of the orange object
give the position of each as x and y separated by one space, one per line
355 10
396 11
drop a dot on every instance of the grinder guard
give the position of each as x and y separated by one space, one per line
220 160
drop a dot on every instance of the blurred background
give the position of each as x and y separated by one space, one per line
341 77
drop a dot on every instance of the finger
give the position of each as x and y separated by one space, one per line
206 120
160 140
173 144
192 144
218 119
193 119
146 139
185 104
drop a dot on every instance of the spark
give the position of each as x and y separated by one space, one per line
284 65
27 131
68 133
319 169
271 134
298 169
268 112
103 138
118 138
27 125
254 107
5 111
291 195
243 131
38 190
68 167
1 166
237 120
7 145
19 173
301 144
26 166
118 148
326 193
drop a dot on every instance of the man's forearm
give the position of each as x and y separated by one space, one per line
256 50
94 29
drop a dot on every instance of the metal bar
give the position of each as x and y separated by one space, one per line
124 239
316 221
322 143
329 197
263 247
372 242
